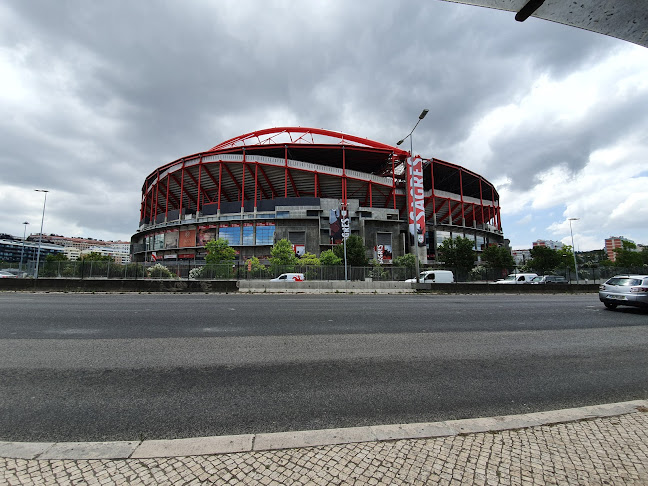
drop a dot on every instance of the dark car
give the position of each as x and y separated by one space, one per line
625 290
549 279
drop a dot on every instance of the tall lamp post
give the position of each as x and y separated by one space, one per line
573 247
414 246
22 250
40 235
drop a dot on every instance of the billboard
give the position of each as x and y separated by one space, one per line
416 200
339 224
383 253
171 239
206 233
187 238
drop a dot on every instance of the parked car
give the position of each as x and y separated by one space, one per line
517 278
434 276
16 271
289 277
549 279
5 274
625 290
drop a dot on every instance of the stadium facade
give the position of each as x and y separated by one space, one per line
291 182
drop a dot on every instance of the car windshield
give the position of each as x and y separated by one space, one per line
624 281
536 279
511 277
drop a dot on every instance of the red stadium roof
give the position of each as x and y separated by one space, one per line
302 135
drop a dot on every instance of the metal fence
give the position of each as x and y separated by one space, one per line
191 270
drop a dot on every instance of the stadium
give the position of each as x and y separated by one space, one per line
296 183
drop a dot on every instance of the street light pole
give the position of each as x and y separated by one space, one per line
22 250
573 247
40 235
408 168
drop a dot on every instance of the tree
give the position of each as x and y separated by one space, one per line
56 257
498 257
628 256
566 256
309 259
282 253
219 252
407 260
355 251
458 252
254 264
96 257
544 259
329 258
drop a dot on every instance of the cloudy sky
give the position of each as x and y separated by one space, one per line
96 95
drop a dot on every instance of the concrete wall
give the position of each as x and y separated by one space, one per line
115 285
324 286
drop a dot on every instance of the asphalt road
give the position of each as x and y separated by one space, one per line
134 366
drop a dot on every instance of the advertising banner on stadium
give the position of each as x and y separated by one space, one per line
339 224
187 239
206 233
383 253
171 239
416 213
335 227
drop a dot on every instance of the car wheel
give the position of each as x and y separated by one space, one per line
610 306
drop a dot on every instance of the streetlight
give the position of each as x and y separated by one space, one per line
407 180
40 235
573 247
22 250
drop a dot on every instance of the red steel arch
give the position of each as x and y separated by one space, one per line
303 135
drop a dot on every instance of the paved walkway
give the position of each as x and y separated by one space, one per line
604 445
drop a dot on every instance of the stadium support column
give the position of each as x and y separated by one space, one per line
461 195
181 189
285 170
243 185
220 185
199 186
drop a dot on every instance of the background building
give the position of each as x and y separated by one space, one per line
614 242
12 249
74 248
258 188
554 245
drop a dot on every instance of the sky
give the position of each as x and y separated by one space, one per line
97 95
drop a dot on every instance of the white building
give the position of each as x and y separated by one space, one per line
554 245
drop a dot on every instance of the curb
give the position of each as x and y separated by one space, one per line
308 438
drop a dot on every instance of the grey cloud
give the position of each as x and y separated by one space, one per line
159 76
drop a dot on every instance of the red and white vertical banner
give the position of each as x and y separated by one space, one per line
345 222
416 200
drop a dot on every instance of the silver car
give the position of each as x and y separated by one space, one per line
625 290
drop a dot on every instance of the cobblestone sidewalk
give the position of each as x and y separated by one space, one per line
602 451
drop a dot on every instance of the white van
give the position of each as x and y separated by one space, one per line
434 276
289 277
517 278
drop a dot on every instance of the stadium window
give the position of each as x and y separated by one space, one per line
248 234
265 234
230 233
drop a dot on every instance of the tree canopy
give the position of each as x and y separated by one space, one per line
544 259
458 252
327 257
498 257
355 250
628 256
282 253
219 252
